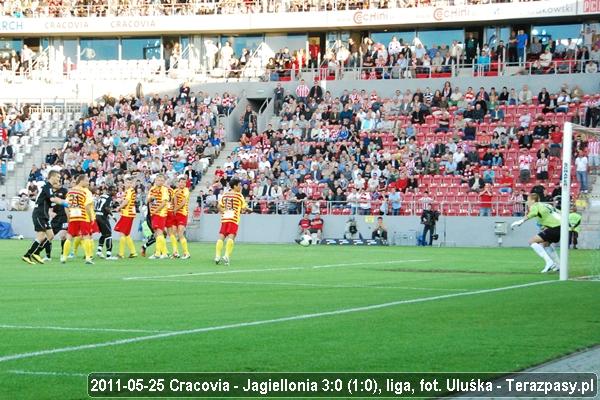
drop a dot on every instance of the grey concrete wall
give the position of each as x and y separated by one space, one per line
460 231
88 90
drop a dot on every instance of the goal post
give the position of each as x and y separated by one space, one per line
569 129
565 203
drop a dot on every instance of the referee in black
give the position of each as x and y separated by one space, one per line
41 218
103 208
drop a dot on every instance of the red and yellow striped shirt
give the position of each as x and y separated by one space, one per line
232 205
182 196
129 209
171 205
158 195
78 200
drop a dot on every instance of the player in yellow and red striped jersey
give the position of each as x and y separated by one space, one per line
231 205
80 212
127 209
171 223
181 209
158 199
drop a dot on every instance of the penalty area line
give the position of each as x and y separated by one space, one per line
241 271
343 311
315 285
78 329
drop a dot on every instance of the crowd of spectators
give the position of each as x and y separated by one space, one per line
476 151
103 8
140 137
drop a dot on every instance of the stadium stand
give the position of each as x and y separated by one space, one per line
140 137
348 154
93 8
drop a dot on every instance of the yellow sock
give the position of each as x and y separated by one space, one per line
76 243
228 248
184 245
66 248
165 249
88 247
158 245
122 246
173 239
219 248
131 245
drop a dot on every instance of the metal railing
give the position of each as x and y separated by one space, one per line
197 73
412 207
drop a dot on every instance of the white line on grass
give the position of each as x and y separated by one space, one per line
65 328
318 285
47 373
112 343
241 271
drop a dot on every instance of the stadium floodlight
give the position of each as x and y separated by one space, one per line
565 204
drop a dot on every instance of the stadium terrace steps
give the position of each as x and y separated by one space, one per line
209 174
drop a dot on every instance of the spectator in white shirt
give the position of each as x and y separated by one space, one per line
3 203
591 67
546 58
525 161
581 168
563 101
525 95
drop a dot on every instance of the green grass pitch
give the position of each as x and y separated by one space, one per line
353 309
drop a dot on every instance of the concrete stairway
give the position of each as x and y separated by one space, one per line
209 175
17 179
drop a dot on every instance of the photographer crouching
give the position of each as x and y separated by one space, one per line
380 231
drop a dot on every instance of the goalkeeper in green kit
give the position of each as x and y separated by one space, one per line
549 218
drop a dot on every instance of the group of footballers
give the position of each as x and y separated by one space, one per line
74 215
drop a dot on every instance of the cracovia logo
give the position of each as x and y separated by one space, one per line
133 23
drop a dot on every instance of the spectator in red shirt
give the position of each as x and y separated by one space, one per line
304 225
316 226
485 201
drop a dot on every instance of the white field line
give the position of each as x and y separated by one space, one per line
65 328
20 356
46 373
241 271
318 285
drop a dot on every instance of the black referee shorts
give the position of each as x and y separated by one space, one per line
58 224
41 223
550 235
149 222
104 225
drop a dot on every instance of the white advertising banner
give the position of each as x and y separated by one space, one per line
260 22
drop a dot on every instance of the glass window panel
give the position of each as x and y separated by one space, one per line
442 36
242 42
7 47
386 37
70 49
557 32
99 49
293 42
140 48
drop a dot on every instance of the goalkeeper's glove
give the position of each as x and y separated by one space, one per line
517 223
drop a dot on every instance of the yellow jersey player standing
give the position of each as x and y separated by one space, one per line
171 224
81 210
181 208
158 199
123 226
231 205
